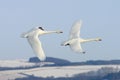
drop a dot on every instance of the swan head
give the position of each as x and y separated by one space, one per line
59 32
65 44
41 28
98 39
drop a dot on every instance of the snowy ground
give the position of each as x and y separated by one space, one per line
66 71
15 63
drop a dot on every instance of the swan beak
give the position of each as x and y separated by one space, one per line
65 44
61 31
100 40
83 52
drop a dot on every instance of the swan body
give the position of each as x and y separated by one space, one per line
33 39
75 40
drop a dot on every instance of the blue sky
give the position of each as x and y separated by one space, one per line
101 18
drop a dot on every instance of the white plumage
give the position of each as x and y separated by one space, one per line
75 40
33 39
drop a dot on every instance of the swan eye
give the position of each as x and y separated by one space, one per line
41 28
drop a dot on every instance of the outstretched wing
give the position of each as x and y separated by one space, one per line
76 47
37 47
75 30
29 33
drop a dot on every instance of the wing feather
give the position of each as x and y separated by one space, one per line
37 47
75 30
76 47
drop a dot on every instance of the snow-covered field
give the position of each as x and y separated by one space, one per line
65 71
15 63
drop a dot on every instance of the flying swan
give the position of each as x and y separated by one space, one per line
75 41
33 39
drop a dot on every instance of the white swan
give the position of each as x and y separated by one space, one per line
75 41
32 37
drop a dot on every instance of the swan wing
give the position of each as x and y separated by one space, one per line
75 30
76 47
29 33
37 47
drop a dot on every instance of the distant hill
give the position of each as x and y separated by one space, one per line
97 62
62 62
104 62
31 63
56 61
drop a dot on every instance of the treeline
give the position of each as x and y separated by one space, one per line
62 62
99 62
101 74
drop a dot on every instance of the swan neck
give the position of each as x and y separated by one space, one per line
48 32
88 40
